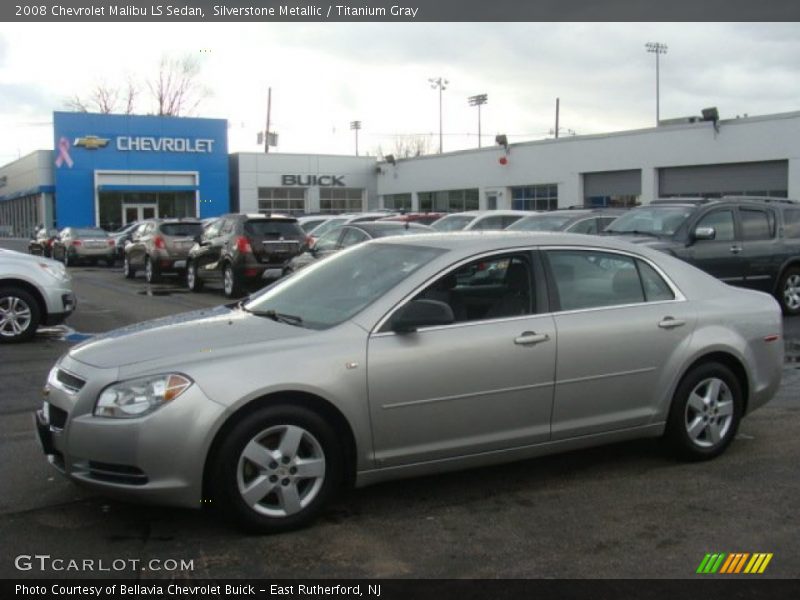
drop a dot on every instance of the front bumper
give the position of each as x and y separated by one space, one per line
140 459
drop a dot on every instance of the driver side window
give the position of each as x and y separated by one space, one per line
722 222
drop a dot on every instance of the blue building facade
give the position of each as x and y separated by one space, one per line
110 170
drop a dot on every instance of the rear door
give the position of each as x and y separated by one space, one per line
761 252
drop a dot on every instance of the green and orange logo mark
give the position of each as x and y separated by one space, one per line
735 563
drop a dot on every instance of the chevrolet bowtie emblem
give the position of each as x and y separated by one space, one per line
91 142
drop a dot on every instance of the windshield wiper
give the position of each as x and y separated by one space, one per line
275 316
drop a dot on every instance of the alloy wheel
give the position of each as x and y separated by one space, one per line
709 412
281 471
228 283
791 292
15 316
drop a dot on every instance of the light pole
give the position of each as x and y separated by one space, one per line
478 100
656 48
441 84
355 126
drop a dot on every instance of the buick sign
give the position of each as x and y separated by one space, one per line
320 180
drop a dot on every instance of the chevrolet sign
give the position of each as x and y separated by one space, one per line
90 142
163 144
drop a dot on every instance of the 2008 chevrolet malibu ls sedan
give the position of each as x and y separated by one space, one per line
407 356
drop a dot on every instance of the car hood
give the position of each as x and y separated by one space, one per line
663 244
189 333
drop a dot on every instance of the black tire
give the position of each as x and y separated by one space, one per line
267 428
127 268
789 291
697 412
16 304
93 262
193 281
151 272
231 284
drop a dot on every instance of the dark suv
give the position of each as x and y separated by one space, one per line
240 249
746 241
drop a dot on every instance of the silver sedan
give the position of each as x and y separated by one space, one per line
409 356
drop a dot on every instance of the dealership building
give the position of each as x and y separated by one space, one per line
108 170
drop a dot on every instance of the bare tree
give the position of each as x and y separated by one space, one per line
175 89
407 146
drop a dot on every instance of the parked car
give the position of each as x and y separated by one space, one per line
122 236
344 219
84 244
589 221
310 222
350 235
386 361
160 246
243 249
42 242
423 218
34 291
745 241
479 220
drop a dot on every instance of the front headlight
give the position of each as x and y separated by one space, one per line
55 270
139 397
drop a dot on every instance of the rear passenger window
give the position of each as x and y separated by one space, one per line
756 224
791 223
588 279
655 288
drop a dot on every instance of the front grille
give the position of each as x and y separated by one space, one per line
112 473
69 381
58 417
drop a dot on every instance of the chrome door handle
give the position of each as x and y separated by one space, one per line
671 323
736 249
529 338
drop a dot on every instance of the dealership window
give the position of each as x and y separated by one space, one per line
341 200
449 200
397 201
535 197
283 200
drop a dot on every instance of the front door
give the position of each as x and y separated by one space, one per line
482 384
138 212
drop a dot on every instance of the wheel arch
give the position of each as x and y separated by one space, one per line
32 290
293 398
728 360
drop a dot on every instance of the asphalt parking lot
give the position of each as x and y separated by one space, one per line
627 510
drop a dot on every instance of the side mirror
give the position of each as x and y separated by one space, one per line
704 233
421 313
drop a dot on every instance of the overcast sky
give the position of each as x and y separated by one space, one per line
323 76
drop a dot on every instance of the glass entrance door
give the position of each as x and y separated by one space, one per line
137 212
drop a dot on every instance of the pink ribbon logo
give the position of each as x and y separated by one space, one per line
63 153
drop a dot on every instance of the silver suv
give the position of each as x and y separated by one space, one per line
33 291
160 245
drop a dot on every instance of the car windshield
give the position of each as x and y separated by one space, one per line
89 233
327 226
652 220
187 229
272 228
334 290
452 223
540 223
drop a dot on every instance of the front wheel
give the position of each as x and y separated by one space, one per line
19 315
151 273
193 281
789 291
705 412
276 469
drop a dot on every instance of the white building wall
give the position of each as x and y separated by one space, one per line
563 161
266 170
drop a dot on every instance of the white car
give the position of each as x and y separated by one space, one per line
480 220
33 291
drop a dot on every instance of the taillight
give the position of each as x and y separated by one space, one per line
159 242
111 243
50 243
309 241
76 242
243 245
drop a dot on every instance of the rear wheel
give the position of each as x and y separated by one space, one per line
276 469
193 281
789 291
705 412
230 283
19 315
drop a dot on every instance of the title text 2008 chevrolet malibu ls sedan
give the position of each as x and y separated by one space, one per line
408 356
